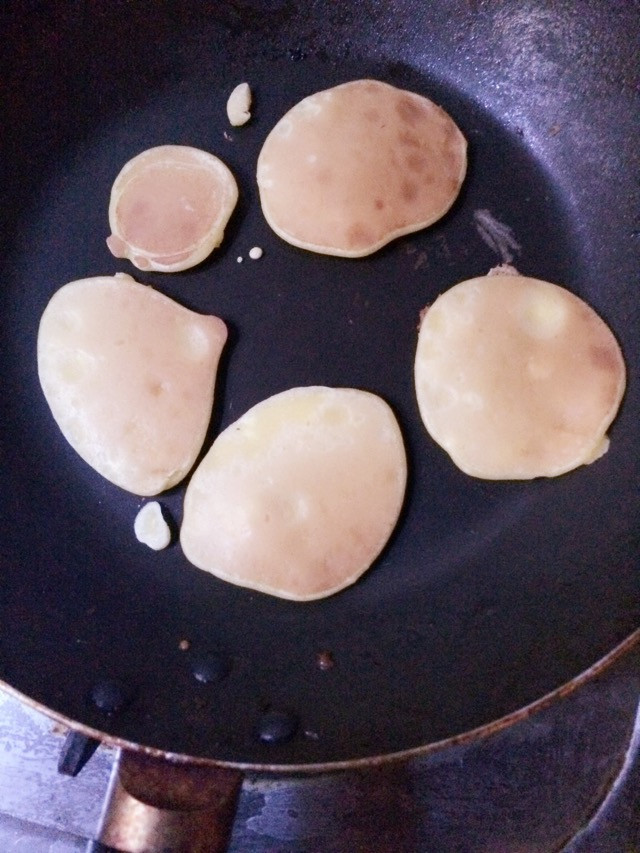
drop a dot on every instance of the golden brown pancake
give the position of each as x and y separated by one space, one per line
129 376
299 496
517 378
169 207
351 168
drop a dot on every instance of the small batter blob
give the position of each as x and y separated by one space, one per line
150 527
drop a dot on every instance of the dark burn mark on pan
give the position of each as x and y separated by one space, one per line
325 660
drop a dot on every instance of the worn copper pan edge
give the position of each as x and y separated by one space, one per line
467 737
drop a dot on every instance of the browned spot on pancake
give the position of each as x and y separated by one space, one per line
408 110
451 147
409 190
324 176
372 114
358 235
409 140
379 204
452 184
585 313
417 162
604 358
451 133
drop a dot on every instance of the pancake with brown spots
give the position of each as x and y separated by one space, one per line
169 207
517 378
349 169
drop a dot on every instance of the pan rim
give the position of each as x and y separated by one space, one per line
364 762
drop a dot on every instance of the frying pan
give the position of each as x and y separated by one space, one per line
490 595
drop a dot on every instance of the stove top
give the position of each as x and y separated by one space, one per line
566 779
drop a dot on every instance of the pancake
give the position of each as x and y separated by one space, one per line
129 376
517 378
169 207
298 497
349 169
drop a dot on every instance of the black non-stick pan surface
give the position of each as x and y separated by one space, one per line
490 594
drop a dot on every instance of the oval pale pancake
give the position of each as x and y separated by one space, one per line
169 207
129 376
517 378
351 168
299 496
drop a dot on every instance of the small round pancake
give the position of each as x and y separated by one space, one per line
129 377
349 169
169 207
517 378
299 496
